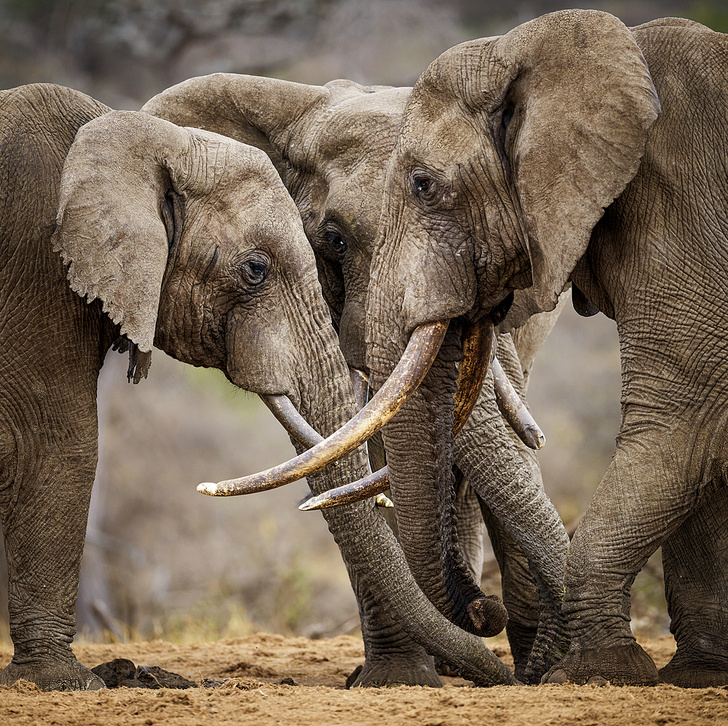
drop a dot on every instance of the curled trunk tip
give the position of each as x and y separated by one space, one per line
489 615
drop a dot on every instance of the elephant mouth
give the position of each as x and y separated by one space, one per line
421 352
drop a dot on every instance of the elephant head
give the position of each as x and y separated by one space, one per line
330 144
194 245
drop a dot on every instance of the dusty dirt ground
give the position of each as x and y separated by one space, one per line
252 669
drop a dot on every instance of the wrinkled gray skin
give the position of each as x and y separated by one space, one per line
574 148
178 238
331 145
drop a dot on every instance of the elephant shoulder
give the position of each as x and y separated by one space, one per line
672 45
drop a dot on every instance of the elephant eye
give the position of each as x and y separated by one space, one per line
423 187
330 240
336 241
255 268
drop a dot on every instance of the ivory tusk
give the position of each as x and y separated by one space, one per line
297 427
370 486
421 352
477 351
478 346
514 410
360 382
292 421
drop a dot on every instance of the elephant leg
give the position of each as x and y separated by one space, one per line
44 509
391 656
641 499
518 591
695 561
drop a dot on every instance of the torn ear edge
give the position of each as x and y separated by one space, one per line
139 361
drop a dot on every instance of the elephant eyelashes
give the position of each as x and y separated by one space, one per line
331 242
255 269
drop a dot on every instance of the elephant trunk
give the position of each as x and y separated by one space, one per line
419 442
373 556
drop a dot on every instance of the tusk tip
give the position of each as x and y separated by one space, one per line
382 500
207 487
310 505
536 438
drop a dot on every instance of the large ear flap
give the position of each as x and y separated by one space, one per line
578 94
255 110
110 229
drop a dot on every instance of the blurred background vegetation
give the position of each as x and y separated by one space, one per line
161 560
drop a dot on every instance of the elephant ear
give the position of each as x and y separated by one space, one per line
110 230
252 109
577 91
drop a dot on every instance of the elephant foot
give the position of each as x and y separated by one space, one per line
695 670
389 672
66 676
549 648
620 665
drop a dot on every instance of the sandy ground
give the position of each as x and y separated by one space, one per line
251 693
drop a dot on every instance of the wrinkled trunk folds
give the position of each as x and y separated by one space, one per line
419 450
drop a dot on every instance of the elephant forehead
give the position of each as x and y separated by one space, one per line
348 133
355 199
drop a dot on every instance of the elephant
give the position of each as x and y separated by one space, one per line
123 231
573 150
331 145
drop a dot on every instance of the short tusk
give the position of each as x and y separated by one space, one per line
478 344
514 410
421 352
370 486
292 421
360 382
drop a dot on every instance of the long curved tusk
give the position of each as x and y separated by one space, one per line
477 346
514 410
421 352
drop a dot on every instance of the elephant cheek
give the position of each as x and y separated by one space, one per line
258 357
